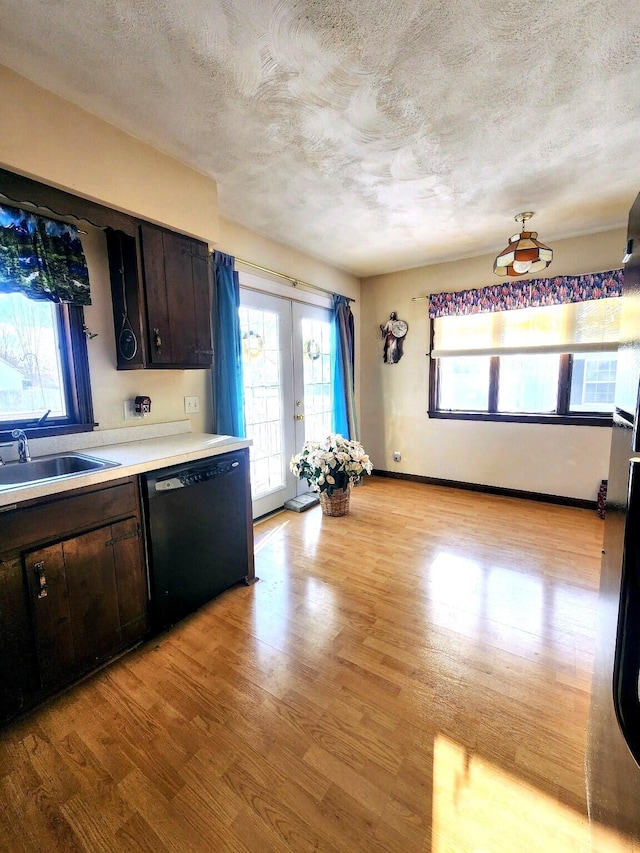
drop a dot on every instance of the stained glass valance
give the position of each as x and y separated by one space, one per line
42 258
527 294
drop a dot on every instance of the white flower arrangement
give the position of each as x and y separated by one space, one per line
331 465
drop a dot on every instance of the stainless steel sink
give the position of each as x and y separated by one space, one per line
50 468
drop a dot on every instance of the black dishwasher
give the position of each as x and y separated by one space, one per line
200 535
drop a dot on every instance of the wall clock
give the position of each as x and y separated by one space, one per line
393 332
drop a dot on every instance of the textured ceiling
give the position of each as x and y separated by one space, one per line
379 136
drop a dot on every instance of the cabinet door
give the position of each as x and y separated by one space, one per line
131 579
176 281
187 273
18 676
93 596
88 598
202 304
74 602
128 303
180 298
47 584
155 286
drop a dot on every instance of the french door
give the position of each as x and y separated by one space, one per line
286 353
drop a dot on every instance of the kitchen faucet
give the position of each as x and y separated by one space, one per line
23 445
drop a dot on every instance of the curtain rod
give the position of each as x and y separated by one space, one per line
294 282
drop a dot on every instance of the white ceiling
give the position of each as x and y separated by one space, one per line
376 135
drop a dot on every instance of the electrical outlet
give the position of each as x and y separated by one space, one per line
191 405
130 410
397 456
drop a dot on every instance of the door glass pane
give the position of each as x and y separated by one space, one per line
316 362
31 379
464 383
263 398
528 383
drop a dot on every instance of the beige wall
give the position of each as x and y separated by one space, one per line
245 244
51 140
556 460
47 138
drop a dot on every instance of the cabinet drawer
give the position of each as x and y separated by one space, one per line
56 519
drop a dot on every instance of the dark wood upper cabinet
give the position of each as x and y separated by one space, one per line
161 299
159 280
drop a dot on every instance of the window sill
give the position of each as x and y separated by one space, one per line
46 431
564 420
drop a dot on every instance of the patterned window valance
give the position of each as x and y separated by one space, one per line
41 258
527 294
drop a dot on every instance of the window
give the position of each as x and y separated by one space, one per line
43 364
464 384
593 382
527 386
44 281
528 383
551 364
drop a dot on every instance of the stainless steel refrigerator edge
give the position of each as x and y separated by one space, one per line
612 772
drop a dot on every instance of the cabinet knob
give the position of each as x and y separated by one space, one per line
41 579
157 340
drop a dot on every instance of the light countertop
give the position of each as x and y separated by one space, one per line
134 457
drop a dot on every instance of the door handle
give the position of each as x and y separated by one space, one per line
299 417
41 579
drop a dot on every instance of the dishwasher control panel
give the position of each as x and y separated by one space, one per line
193 476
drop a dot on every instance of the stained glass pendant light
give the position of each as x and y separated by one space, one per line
524 253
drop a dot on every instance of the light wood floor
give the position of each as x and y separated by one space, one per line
412 677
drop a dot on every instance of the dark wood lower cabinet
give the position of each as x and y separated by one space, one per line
18 670
87 598
49 597
131 579
67 606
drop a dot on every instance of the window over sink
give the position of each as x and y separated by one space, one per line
44 374
44 282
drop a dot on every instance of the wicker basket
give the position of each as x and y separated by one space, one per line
337 503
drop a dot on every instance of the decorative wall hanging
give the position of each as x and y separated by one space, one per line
528 294
312 349
252 346
393 332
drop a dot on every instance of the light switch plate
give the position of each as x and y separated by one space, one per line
191 405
